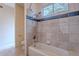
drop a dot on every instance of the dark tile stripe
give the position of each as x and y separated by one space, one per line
76 13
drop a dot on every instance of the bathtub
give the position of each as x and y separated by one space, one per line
42 49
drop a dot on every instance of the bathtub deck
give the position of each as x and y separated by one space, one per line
46 50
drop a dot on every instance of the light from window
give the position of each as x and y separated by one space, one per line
54 8
60 7
47 11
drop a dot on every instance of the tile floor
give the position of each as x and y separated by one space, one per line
12 52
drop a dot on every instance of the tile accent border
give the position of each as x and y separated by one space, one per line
70 14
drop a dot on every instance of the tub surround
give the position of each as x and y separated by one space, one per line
60 31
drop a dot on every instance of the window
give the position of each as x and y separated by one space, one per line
47 11
54 8
60 7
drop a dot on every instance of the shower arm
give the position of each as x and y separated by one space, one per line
37 15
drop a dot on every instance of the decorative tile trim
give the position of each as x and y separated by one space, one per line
70 14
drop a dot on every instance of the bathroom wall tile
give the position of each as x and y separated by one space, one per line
74 47
74 37
64 25
74 24
63 37
62 41
62 45
62 33
30 31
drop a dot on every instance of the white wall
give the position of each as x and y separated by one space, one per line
7 38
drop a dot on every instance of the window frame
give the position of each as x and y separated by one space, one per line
53 7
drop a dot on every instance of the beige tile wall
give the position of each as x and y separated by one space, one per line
62 33
74 34
30 31
51 31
